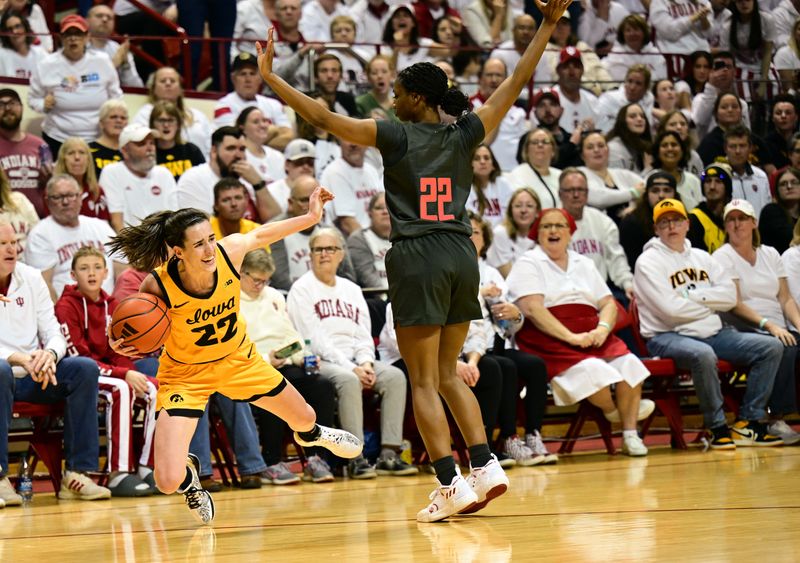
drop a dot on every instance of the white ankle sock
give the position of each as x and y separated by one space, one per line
144 471
630 434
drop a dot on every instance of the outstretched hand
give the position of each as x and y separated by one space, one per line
317 201
266 54
553 9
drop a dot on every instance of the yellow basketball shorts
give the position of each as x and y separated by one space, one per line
244 375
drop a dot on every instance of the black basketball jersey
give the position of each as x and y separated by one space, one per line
428 174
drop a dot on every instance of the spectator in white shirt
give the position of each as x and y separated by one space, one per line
490 191
511 51
353 182
633 46
315 22
136 187
786 14
228 160
246 85
368 247
598 24
635 90
18 55
54 241
749 182
299 159
69 86
579 105
101 25
35 15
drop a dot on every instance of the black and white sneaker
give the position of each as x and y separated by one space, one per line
339 442
198 499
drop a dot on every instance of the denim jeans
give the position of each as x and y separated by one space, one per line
784 397
242 432
221 18
77 385
762 354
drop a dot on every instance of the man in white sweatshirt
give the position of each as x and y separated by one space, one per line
33 369
332 313
597 236
681 290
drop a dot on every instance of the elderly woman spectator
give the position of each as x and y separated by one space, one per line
538 153
490 191
172 152
277 340
18 211
569 314
368 247
778 219
165 85
634 45
511 236
332 313
670 154
610 188
763 304
636 228
629 140
113 119
75 159
18 54
72 105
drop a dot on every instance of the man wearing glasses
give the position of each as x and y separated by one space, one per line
54 240
25 158
681 291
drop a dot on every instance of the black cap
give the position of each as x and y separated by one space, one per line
242 60
661 175
11 93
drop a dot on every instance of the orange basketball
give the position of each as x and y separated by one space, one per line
142 320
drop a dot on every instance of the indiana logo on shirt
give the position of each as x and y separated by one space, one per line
20 301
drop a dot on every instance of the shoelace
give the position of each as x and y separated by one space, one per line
194 498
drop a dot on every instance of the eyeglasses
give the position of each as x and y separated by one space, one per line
556 226
665 223
539 142
574 191
318 250
258 282
64 198
9 104
789 184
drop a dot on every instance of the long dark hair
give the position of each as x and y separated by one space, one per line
413 38
688 73
430 82
7 15
754 40
685 150
639 145
483 203
147 245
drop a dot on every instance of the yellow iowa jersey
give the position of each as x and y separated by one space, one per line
205 328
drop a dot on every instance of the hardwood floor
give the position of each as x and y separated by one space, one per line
670 506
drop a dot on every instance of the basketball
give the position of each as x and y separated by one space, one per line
142 320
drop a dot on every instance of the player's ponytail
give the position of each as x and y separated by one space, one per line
430 82
455 103
147 244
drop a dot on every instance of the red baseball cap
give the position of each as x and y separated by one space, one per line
546 93
74 21
569 54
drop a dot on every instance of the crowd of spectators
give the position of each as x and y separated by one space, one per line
628 170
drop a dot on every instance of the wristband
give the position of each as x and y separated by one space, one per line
605 325
259 185
762 323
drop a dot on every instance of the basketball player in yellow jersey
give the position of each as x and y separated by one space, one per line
208 350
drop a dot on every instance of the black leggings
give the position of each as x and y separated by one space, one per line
530 369
317 391
496 392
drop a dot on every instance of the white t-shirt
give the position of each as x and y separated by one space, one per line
535 274
405 60
315 21
51 245
545 186
353 188
196 189
791 263
137 197
271 166
574 113
498 194
231 105
280 191
601 196
513 126
758 284
22 220
504 249
786 59
15 65
753 186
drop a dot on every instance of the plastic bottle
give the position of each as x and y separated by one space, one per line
310 360
502 324
24 482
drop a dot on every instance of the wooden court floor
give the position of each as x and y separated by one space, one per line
671 506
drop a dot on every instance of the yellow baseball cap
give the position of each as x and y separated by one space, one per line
668 206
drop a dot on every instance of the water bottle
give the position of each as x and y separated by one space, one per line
502 324
310 360
24 483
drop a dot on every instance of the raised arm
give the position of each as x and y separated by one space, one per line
495 108
360 131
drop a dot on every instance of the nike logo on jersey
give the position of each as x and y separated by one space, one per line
178 306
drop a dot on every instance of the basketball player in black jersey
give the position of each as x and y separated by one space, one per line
432 268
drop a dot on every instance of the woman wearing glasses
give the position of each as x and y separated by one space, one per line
539 152
569 315
778 219
172 151
432 270
18 55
